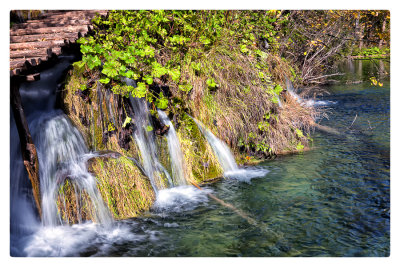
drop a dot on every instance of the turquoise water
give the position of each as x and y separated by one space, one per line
331 201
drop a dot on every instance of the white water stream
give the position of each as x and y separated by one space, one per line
226 158
175 152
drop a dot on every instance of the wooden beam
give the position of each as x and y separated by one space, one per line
43 37
41 52
35 45
49 30
51 23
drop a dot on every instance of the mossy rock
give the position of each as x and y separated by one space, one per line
96 113
125 190
74 206
201 162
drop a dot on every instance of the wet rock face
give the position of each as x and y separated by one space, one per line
124 137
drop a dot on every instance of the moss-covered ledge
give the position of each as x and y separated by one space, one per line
125 190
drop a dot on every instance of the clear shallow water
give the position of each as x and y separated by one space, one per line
331 201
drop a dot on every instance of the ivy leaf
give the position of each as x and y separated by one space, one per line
129 74
299 133
244 49
299 146
211 84
204 40
186 88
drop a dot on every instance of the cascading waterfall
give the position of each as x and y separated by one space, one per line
290 89
175 152
60 150
302 101
220 149
226 158
62 155
144 137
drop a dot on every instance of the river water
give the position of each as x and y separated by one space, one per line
331 201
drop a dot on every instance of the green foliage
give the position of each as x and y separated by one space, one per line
145 45
371 51
211 84
105 80
300 146
110 127
162 102
299 133
263 147
126 122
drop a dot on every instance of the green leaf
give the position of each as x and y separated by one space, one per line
162 102
129 74
148 79
299 146
299 133
186 88
110 69
127 121
105 80
244 49
86 49
204 40
91 61
141 90
110 127
211 83
149 128
175 74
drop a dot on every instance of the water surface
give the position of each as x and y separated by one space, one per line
331 201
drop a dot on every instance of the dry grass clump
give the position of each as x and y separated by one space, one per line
242 108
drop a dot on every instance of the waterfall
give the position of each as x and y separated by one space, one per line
220 149
305 102
291 90
60 150
175 152
226 159
145 139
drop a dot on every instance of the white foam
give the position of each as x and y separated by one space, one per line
68 240
314 103
245 175
181 198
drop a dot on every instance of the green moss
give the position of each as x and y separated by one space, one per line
126 191
73 207
200 159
